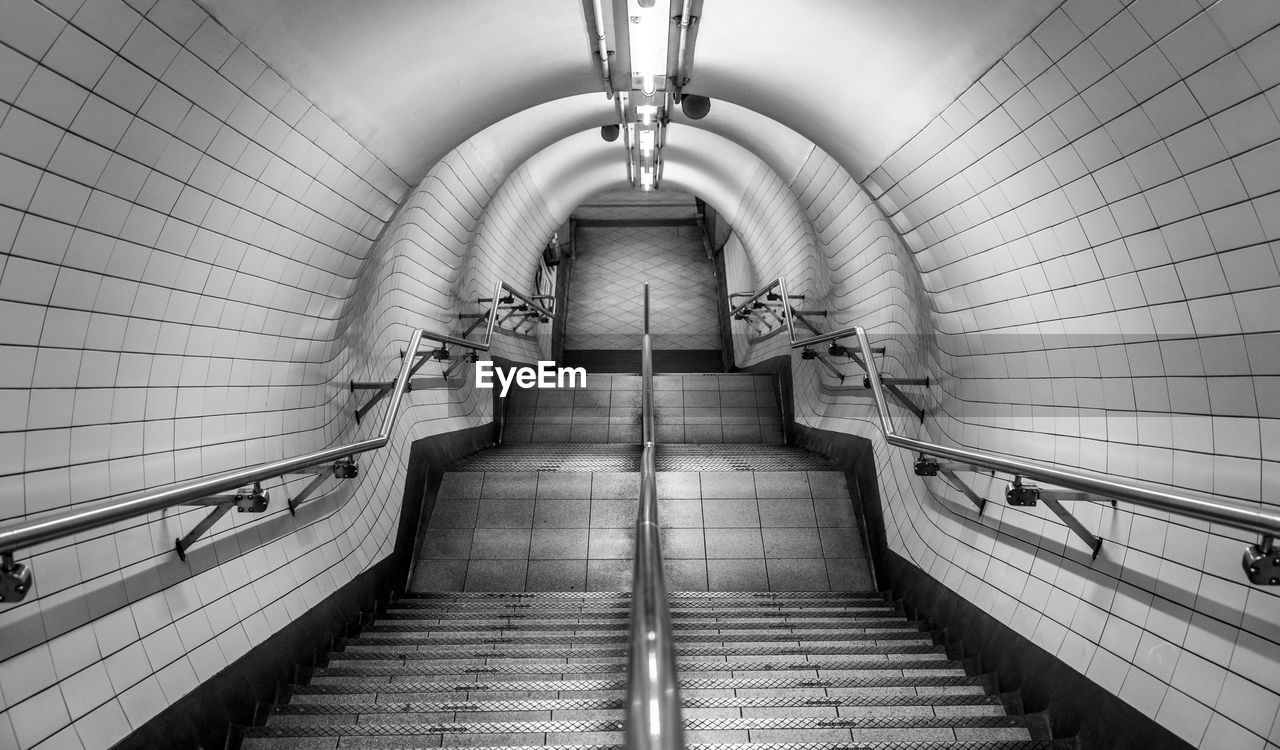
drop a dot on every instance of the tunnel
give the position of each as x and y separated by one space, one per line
987 292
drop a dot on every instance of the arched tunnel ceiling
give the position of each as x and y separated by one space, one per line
412 79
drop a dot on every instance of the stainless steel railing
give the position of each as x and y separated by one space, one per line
16 578
1261 561
653 717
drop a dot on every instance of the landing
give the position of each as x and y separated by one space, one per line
605 298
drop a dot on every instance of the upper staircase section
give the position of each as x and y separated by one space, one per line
689 408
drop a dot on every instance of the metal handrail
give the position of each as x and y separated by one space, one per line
15 578
100 513
1233 513
1261 563
653 716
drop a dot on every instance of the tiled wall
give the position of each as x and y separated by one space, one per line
1086 264
188 279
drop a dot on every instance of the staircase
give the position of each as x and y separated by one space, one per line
788 669
515 633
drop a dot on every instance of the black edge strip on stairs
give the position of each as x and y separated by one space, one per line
208 715
1075 705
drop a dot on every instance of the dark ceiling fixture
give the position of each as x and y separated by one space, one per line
610 132
695 107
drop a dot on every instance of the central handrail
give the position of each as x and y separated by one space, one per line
653 717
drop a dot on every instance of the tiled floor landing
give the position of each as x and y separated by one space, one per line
572 531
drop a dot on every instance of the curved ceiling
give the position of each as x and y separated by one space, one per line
412 79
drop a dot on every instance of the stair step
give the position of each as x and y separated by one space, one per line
1013 727
353 706
340 667
593 622
743 611
932 682
619 638
374 651
691 598
626 457
264 742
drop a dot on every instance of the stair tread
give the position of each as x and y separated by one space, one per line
791 670
926 700
713 723
686 683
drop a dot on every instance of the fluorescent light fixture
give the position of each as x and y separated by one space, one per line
647 34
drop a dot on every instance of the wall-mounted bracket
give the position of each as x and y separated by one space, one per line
891 385
440 353
1026 495
15 579
1262 562
302 496
926 466
249 500
206 523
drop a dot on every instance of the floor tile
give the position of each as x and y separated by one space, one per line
548 544
723 543
611 544
562 512
737 575
679 512
504 544
678 484
828 484
841 542
727 484
781 484
786 512
460 484
557 575
454 514
615 484
797 575
496 575
686 575
683 543
608 575
721 512
614 512
563 484
514 513
792 542
440 575
509 484
445 543
834 511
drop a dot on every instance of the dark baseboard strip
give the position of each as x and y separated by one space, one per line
204 717
1075 706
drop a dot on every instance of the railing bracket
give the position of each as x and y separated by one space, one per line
253 501
1262 563
925 466
15 579
1026 495
1021 495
